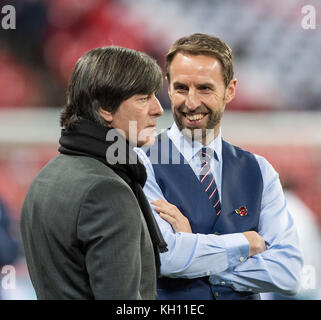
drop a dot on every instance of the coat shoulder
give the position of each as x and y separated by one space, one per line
79 170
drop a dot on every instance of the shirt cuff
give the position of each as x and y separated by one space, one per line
237 248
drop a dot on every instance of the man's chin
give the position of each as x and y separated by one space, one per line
201 134
194 133
147 142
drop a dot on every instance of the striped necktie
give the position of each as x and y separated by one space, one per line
207 179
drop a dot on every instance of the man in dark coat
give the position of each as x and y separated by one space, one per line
86 225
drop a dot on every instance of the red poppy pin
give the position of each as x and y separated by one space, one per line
242 211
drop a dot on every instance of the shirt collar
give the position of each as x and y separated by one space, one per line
188 148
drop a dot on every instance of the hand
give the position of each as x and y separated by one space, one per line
172 215
257 243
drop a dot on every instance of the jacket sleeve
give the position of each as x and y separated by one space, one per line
8 245
109 229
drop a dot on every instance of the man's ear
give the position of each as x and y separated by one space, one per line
108 116
230 90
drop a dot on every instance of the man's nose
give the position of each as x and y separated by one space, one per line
156 108
192 100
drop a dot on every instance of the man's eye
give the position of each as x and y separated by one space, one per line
180 89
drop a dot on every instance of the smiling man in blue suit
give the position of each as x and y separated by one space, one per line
221 209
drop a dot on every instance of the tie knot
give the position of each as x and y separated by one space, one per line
206 154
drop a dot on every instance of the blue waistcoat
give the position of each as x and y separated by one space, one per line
242 185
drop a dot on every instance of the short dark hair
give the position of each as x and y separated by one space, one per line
203 44
104 78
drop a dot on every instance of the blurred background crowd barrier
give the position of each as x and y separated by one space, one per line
276 112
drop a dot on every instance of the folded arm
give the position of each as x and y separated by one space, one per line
227 258
278 268
193 255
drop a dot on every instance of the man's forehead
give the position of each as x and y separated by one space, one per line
200 61
204 67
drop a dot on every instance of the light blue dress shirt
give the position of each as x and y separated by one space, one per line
224 258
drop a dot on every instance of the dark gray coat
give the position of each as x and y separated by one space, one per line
84 234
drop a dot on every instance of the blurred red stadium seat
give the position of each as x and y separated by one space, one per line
19 84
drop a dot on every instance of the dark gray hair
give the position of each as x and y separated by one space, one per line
104 78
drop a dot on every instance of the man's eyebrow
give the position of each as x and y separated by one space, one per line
209 85
206 85
177 84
